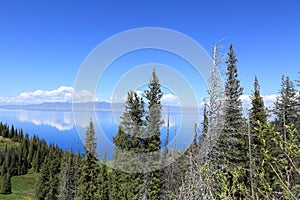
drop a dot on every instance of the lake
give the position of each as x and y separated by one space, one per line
58 127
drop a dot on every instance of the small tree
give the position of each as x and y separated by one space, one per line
5 183
90 140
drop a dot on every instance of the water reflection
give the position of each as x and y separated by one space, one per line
59 127
62 121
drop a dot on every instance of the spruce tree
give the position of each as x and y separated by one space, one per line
5 183
68 179
257 112
87 183
154 123
232 141
89 169
90 140
129 144
48 184
285 109
257 118
5 177
103 189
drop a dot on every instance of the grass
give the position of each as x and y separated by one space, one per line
22 187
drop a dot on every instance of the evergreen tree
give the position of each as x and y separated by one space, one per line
257 117
32 148
116 178
5 183
89 169
204 124
232 141
103 189
130 145
257 111
87 183
48 184
5 177
68 179
285 109
90 140
153 142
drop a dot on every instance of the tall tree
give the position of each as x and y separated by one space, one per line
257 117
154 123
285 109
48 184
5 177
89 169
87 183
68 176
257 112
130 145
232 142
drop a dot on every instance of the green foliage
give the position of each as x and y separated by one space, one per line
129 145
285 109
68 177
102 180
5 183
231 145
90 140
48 183
154 123
278 165
87 183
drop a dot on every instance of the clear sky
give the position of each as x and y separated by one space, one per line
44 42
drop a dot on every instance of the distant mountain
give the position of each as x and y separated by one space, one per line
66 106
99 106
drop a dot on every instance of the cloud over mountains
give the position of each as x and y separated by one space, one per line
61 94
65 94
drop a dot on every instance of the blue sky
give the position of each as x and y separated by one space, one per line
43 43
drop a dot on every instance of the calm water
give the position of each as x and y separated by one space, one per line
59 127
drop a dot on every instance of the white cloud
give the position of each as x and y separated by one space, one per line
61 94
170 99
269 100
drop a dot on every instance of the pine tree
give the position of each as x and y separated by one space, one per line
257 111
5 175
68 179
285 109
129 144
87 183
48 184
32 148
154 123
89 169
232 142
103 189
90 140
5 183
204 124
257 117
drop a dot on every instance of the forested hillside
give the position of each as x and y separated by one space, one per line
232 156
